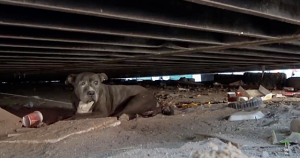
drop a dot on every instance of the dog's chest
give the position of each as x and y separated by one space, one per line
84 108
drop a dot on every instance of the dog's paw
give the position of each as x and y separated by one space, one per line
124 117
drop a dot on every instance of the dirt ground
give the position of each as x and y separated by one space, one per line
159 136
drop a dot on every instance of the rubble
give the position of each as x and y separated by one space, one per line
212 119
295 126
9 122
260 92
283 138
229 151
62 130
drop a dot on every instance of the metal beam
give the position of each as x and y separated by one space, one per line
82 24
212 48
281 10
233 54
145 12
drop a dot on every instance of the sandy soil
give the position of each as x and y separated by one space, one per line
160 136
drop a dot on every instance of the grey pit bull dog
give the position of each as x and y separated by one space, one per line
112 100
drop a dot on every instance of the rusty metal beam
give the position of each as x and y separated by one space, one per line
33 35
133 37
92 25
24 45
188 18
281 10
232 54
212 48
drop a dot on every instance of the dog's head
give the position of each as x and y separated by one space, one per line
87 85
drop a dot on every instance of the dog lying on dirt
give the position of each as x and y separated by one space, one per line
112 100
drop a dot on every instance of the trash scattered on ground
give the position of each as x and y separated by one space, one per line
228 151
295 126
280 96
242 99
260 92
282 138
291 94
232 96
255 102
190 105
33 119
244 95
239 116
183 89
85 107
279 93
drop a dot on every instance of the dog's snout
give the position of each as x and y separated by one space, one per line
91 93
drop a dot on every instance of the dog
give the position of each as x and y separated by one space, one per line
112 100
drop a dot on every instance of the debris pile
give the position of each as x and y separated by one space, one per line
228 151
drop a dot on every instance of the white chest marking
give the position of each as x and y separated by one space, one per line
85 107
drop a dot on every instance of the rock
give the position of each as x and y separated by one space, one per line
295 126
228 151
265 154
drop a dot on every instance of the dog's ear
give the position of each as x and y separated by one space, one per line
71 79
102 77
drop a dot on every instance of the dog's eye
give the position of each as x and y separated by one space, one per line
82 83
96 82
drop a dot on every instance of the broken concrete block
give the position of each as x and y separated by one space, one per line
295 126
62 130
239 116
283 138
265 154
7 116
9 122
228 151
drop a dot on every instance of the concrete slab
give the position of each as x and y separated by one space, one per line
62 130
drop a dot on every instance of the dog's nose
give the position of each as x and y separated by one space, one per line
91 93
